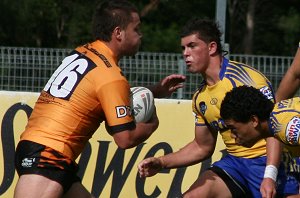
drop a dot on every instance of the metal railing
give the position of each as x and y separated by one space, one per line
28 69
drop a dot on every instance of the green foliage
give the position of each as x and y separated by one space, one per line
158 38
67 23
287 24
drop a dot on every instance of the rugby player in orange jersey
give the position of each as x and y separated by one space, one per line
88 88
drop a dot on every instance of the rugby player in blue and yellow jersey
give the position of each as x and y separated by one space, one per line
252 117
241 172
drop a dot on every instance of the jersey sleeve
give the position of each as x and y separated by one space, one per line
115 102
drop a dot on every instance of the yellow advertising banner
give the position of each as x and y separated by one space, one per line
106 170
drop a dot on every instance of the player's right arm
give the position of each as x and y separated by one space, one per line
201 148
119 122
130 138
291 80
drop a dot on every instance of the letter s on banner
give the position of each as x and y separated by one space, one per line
7 137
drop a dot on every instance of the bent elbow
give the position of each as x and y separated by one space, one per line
125 144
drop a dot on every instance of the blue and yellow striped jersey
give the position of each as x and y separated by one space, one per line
284 124
207 102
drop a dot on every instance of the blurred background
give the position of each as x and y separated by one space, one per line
261 27
35 36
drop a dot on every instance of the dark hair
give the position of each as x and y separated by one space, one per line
207 30
109 15
243 102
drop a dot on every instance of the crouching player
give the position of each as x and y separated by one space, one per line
252 117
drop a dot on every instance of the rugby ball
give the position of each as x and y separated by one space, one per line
142 103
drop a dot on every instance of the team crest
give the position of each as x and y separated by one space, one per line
214 101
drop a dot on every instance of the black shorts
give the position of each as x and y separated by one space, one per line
34 158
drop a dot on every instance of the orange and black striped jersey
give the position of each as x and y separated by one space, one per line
85 90
207 102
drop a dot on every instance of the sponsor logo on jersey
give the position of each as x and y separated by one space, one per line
267 92
28 162
123 111
202 107
293 130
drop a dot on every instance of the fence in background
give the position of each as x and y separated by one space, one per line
28 69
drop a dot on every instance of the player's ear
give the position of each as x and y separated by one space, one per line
255 120
212 47
118 33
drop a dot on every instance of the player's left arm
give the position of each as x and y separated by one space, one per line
274 150
167 85
268 185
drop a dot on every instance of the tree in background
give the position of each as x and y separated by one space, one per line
265 27
163 19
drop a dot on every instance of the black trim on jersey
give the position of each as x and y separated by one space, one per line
195 100
237 189
101 56
202 84
118 128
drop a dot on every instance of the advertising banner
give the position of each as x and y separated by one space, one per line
106 170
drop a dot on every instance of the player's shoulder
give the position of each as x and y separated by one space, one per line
105 63
99 54
240 67
237 71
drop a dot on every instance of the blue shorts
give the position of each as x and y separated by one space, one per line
249 173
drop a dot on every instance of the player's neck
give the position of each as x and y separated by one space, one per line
212 73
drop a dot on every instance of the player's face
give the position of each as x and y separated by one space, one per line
195 53
244 134
132 36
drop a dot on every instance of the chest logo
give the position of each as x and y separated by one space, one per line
214 101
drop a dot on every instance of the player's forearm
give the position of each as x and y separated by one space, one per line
186 156
274 151
131 138
143 131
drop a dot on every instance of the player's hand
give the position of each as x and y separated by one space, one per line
149 167
268 188
168 85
